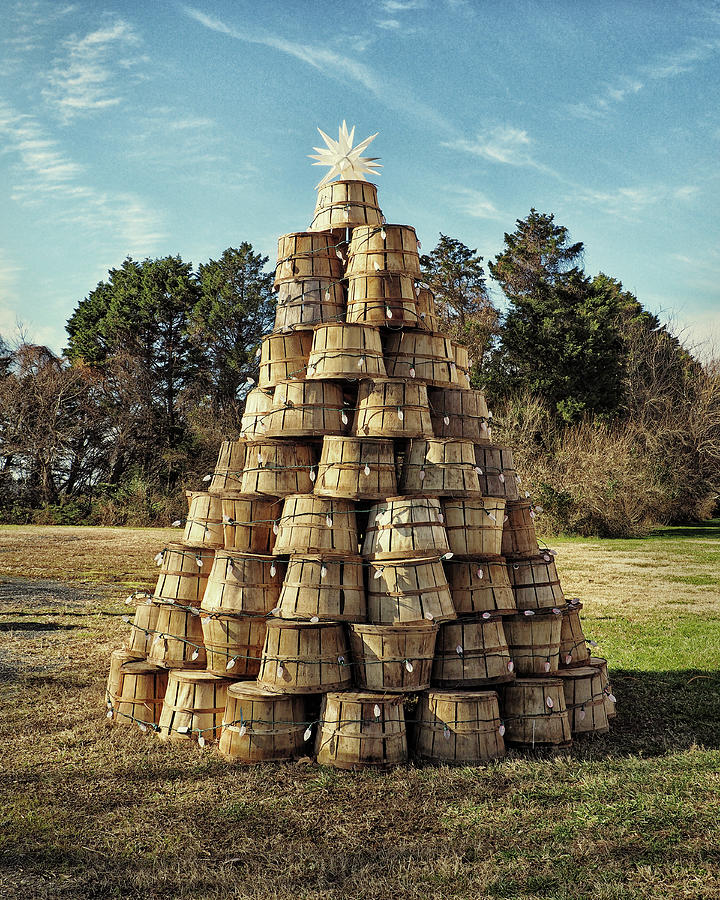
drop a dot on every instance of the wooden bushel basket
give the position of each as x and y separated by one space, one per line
383 298
585 699
472 653
239 583
346 351
392 408
405 527
284 357
574 650
305 657
305 409
535 713
440 467
535 582
307 254
183 574
178 643
402 591
519 538
361 730
260 725
601 665
474 526
194 707
497 471
356 468
306 303
258 404
480 586
276 468
248 523
345 204
118 658
383 248
534 643
311 524
393 659
203 526
324 589
142 630
455 412
458 728
461 358
427 313
140 689
419 354
243 582
229 467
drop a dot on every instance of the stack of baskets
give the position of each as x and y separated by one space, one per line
362 580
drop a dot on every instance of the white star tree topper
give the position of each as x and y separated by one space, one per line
344 159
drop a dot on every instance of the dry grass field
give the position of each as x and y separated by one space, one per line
92 810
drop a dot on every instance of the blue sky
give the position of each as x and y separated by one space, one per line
153 128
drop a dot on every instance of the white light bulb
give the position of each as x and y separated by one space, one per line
383 234
376 711
448 555
142 726
376 265
195 654
486 615
568 659
323 571
127 619
310 371
176 524
315 619
308 733
412 371
502 478
479 573
459 650
280 670
400 414
361 362
276 528
366 470
201 741
207 478
388 312
378 573
313 476
242 731
478 470
328 520
273 570
198 562
344 418
511 666
501 730
109 714
446 420
529 612
429 615
446 733
547 666
422 474
231 664
549 702
408 665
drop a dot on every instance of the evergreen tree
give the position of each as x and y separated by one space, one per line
456 277
234 309
560 337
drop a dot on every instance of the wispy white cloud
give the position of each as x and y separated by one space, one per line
84 78
625 86
43 176
503 144
401 6
388 24
629 202
24 25
333 64
475 203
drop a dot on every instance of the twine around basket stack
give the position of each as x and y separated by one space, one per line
361 582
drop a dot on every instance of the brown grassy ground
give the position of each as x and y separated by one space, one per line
99 811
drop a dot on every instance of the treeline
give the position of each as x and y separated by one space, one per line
615 425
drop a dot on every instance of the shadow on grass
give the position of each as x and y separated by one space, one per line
708 529
659 713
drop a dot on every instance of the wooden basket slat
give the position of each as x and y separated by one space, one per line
529 721
471 652
305 657
347 351
353 736
440 467
276 468
356 468
304 528
392 408
480 585
193 701
346 204
405 527
404 591
497 471
260 725
460 413
323 587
